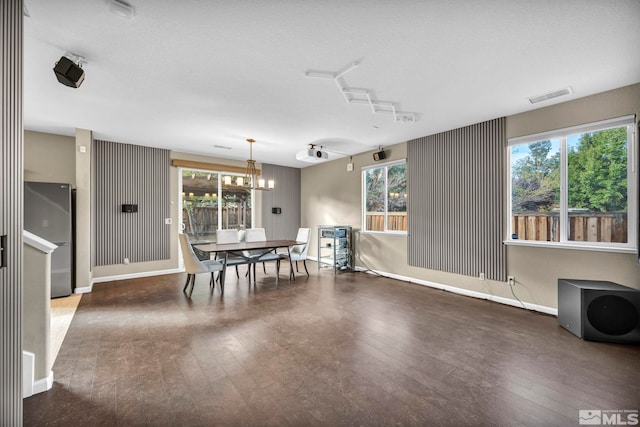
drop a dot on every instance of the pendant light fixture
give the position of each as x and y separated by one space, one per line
251 177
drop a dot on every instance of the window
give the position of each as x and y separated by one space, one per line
208 203
385 197
575 186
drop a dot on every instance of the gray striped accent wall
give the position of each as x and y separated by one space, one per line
131 174
11 209
286 196
456 200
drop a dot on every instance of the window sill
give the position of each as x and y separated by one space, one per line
385 233
556 245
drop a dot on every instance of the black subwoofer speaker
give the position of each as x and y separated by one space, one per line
599 311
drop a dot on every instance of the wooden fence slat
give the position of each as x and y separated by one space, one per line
592 229
619 232
605 229
531 228
579 229
555 229
522 228
542 228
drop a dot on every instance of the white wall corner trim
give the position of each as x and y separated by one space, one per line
29 385
466 292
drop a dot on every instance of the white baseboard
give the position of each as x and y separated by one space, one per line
84 289
460 291
29 385
43 384
136 275
87 289
466 292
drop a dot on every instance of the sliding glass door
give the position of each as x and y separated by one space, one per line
213 200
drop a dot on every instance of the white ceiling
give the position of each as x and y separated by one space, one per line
191 74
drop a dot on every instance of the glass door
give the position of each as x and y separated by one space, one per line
211 201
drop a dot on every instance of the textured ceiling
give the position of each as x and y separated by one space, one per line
189 75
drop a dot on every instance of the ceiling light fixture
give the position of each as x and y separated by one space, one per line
251 177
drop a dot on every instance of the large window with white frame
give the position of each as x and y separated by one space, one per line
575 187
385 197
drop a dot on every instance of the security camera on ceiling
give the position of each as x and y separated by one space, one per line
69 73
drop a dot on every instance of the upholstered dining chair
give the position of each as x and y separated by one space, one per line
299 252
231 236
193 265
258 255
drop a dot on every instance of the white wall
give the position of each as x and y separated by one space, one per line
49 158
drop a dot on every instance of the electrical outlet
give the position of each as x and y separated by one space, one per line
167 221
126 260
481 276
511 280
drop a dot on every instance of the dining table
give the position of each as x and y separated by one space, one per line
239 250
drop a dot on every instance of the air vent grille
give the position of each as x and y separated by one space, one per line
551 95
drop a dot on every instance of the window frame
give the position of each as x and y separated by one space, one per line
363 172
632 186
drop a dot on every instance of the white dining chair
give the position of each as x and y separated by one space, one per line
259 255
193 265
231 236
299 252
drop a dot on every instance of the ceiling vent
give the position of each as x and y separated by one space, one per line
551 95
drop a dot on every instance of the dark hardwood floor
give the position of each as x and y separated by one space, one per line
353 349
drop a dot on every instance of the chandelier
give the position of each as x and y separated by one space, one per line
251 178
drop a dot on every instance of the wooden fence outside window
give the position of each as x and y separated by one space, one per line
583 227
396 221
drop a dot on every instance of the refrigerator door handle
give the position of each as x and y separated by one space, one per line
3 251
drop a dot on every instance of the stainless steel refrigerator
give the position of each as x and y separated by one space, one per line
48 213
